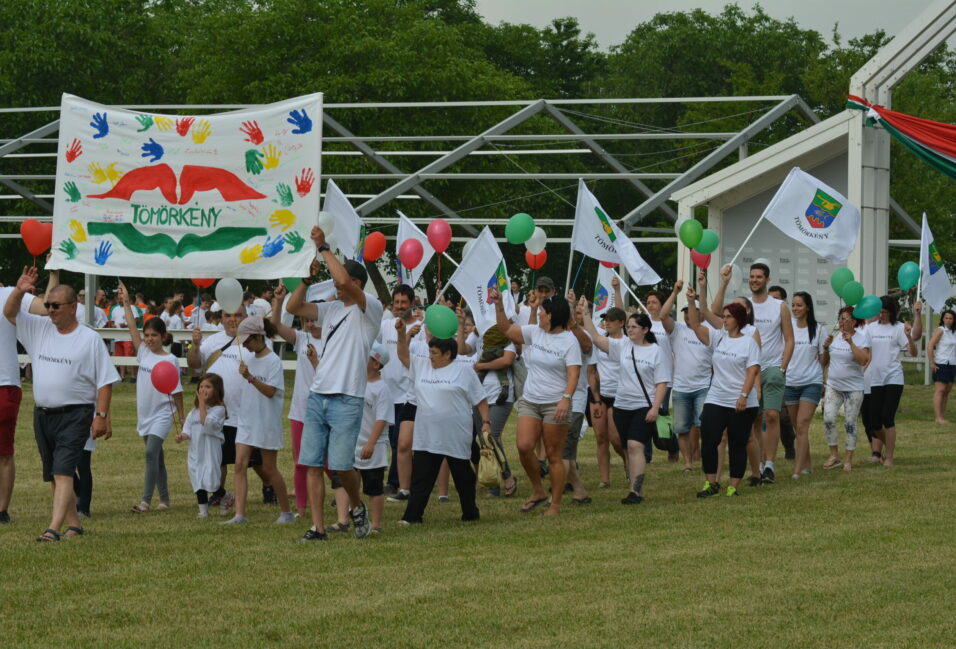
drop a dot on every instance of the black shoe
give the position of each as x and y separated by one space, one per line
754 481
710 489
390 490
269 496
312 535
632 499
400 497
767 477
360 521
544 468
789 453
4 518
568 488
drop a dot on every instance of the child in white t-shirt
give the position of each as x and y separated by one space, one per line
371 448
203 426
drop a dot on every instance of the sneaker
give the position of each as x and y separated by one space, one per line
709 489
632 499
767 477
4 518
312 535
603 485
795 476
285 517
269 496
754 481
400 497
215 500
444 499
360 521
204 514
226 503
235 520
732 491
874 459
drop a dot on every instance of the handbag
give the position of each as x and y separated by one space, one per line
490 465
664 438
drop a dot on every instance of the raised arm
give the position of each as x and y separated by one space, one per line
402 346
123 296
725 274
339 275
285 332
579 314
666 320
464 349
693 319
36 306
587 323
618 296
26 284
297 304
512 332
917 332
706 313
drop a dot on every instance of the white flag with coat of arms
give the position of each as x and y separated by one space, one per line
603 293
934 280
484 268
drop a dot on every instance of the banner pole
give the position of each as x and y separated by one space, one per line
747 240
633 294
567 281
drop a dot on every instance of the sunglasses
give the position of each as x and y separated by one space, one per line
53 306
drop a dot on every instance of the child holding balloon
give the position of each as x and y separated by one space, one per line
157 389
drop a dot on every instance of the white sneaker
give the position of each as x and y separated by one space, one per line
285 517
226 503
204 514
235 520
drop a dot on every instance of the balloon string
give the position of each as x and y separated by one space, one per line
439 270
172 411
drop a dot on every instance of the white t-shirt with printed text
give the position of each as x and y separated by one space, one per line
379 406
548 357
732 358
445 398
805 367
650 362
154 411
260 417
347 337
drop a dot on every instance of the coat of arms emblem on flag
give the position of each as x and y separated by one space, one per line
499 280
824 208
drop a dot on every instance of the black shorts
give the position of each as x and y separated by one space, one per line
61 434
631 426
229 448
408 413
373 481
607 401
883 403
945 374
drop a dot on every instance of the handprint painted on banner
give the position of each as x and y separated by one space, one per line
163 123
72 193
102 254
301 120
152 150
183 124
77 233
145 121
284 219
295 241
100 125
251 254
201 131
74 151
253 164
273 246
303 185
99 175
285 194
68 248
253 131
272 157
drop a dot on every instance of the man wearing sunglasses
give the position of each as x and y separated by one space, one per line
73 381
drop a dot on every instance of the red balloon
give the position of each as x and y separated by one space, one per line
700 260
374 246
203 283
411 253
610 264
535 262
439 235
37 236
165 377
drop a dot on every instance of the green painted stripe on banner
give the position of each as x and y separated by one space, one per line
136 241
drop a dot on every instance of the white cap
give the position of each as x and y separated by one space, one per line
215 307
379 352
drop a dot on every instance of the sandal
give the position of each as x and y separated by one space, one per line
163 507
73 531
338 527
581 501
514 487
530 505
48 535
141 508
832 463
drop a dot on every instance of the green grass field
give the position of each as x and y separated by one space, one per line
865 559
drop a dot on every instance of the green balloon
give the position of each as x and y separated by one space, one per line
691 233
868 307
908 275
441 321
520 228
839 278
291 283
852 292
708 242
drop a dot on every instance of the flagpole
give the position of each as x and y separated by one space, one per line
567 281
741 248
448 257
633 294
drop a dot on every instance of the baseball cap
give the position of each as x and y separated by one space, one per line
545 282
215 307
250 327
379 352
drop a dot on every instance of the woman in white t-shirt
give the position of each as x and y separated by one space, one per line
641 388
602 405
845 354
154 410
731 400
804 379
942 356
445 394
260 415
553 358
884 374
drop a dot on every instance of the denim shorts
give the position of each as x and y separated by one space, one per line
332 423
793 394
687 408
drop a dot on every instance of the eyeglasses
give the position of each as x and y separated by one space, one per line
53 306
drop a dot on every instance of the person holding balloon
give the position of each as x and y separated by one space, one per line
846 353
941 351
158 390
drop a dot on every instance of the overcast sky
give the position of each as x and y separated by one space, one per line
612 20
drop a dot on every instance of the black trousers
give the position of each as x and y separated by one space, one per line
393 444
425 467
713 420
83 483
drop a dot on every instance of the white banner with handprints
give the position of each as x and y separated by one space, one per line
226 195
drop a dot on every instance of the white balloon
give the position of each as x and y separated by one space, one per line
229 294
680 221
761 260
537 242
467 248
326 222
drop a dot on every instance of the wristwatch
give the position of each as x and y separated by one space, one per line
104 415
743 395
566 396
324 247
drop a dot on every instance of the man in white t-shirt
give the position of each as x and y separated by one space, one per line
772 319
333 417
99 318
73 381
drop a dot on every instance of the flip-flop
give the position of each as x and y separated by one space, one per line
76 531
530 505
48 535
514 487
582 501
